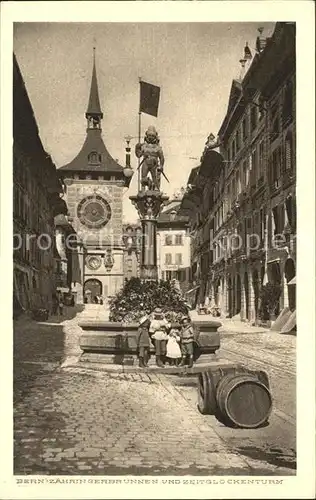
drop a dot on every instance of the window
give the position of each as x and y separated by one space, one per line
287 108
278 219
178 259
168 259
245 174
262 225
181 275
253 118
253 166
261 107
261 160
290 211
168 275
275 121
256 223
237 141
179 239
276 167
233 188
289 152
244 129
168 239
228 197
94 157
233 150
238 182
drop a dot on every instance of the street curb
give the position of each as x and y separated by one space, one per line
75 362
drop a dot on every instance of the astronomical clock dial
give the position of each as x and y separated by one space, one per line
94 212
93 262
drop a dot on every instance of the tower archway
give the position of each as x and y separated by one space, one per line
92 288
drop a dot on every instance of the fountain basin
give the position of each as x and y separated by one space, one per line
121 339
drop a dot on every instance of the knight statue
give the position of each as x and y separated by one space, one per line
152 159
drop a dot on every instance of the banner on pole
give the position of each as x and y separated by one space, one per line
149 98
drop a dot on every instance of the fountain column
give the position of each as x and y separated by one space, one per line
149 205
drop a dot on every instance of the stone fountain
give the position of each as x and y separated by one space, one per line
114 343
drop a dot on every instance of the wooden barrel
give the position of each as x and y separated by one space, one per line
243 400
206 394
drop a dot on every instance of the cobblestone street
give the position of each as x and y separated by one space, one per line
70 420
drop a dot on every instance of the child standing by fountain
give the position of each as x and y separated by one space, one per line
173 347
158 331
143 341
187 339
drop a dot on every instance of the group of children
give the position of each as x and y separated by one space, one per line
173 344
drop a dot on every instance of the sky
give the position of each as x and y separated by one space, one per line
193 63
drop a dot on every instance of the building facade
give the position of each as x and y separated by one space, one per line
244 219
132 250
64 256
94 184
37 200
173 244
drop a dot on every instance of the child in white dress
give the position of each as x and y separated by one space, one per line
173 347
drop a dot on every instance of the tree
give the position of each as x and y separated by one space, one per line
141 297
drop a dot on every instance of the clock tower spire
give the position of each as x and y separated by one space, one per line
94 195
94 114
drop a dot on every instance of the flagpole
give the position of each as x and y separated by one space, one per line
139 132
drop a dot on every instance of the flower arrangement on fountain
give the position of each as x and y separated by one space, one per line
138 297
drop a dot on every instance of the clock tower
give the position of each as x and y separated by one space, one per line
94 184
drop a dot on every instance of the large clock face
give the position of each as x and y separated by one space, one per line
94 212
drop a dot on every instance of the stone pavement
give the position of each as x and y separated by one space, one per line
76 421
229 325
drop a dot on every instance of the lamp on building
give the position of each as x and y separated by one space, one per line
128 171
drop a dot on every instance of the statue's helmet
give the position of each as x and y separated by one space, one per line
151 134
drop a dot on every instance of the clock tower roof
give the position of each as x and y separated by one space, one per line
94 156
94 107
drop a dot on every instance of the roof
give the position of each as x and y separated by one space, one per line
26 136
193 175
93 142
211 164
171 215
262 73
